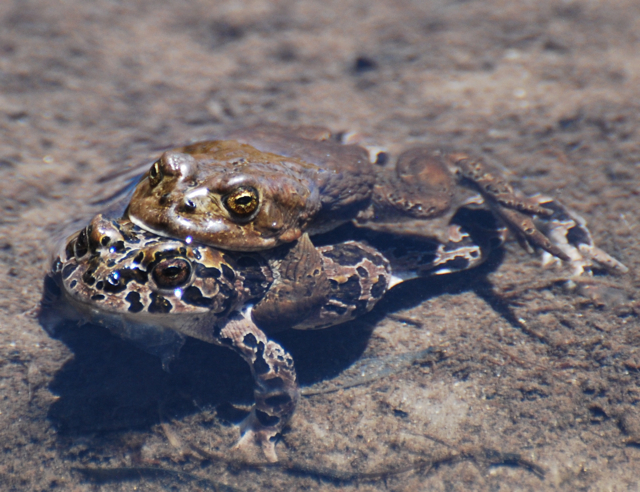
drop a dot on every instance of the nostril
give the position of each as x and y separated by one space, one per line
82 244
189 206
164 199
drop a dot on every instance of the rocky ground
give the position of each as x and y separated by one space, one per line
498 379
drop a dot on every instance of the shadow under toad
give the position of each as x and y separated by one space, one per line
112 385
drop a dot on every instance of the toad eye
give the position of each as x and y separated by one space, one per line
242 201
171 273
155 174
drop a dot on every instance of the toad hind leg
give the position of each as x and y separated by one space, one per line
536 221
276 391
515 210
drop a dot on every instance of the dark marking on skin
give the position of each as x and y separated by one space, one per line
382 158
266 419
227 341
117 281
377 260
339 310
228 259
250 340
256 283
88 278
73 283
69 269
350 291
111 263
100 285
166 255
118 247
135 306
559 213
361 308
139 258
577 235
274 383
105 240
347 254
260 366
254 278
228 273
248 262
131 237
130 255
457 263
207 272
133 274
379 288
97 297
159 304
278 400
362 271
114 283
193 295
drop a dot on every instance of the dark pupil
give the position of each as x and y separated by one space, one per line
244 200
169 274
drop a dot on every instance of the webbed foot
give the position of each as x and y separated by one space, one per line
515 210
538 221
569 233
253 432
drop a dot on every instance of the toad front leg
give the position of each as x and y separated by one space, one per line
276 391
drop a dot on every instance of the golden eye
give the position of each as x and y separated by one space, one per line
242 202
155 174
171 273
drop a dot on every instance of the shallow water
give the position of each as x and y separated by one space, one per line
496 379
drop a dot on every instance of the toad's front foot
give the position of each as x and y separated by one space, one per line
276 392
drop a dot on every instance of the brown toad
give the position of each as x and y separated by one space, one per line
263 186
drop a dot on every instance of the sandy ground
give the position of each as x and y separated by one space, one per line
517 384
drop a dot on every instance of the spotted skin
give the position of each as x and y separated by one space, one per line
146 287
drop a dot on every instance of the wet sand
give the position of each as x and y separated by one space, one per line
518 385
